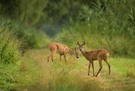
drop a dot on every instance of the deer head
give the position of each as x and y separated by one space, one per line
75 52
80 45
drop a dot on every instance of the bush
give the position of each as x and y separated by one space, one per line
9 56
7 79
9 47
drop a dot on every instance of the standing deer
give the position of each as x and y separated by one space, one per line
61 49
91 56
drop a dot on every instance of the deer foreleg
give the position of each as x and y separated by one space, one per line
100 64
106 61
93 68
64 57
89 68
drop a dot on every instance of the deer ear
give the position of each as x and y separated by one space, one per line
83 43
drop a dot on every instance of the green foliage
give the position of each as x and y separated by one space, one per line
39 11
9 52
9 8
30 37
9 56
101 29
32 12
26 11
7 77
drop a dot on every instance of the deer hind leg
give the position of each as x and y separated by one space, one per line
100 64
93 68
52 54
106 61
89 68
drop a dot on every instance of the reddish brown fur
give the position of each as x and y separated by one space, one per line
61 49
91 56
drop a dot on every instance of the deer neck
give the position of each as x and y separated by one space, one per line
83 52
71 51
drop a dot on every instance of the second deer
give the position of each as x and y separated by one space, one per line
61 49
91 56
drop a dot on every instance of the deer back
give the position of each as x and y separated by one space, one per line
95 54
62 49
59 48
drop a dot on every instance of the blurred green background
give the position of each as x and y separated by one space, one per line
30 24
101 23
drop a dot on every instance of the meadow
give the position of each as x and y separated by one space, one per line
28 26
72 76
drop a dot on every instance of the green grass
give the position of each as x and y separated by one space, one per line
107 24
72 76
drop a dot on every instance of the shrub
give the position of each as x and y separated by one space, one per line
9 55
9 47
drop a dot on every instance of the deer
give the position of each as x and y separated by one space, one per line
93 55
60 49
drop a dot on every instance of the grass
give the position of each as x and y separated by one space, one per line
57 76
111 27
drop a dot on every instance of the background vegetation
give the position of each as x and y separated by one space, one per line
30 24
